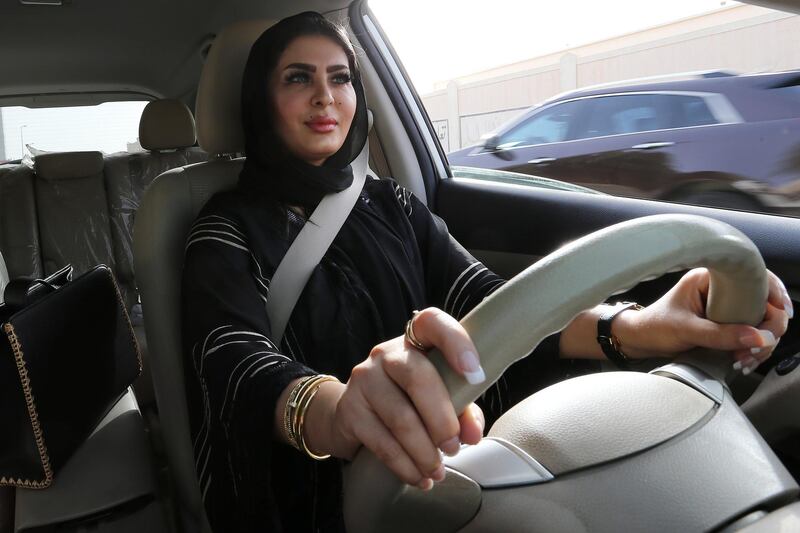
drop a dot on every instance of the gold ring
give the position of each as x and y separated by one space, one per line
411 338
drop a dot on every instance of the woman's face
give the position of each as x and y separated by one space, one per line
313 97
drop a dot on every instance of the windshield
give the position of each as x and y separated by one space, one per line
691 101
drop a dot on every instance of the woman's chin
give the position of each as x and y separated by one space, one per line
317 157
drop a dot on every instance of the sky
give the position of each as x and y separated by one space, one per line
458 37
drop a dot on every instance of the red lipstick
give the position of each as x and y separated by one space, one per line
322 124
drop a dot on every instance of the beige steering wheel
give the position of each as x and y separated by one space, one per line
544 298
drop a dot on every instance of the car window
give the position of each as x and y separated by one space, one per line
616 115
550 125
693 102
687 111
108 127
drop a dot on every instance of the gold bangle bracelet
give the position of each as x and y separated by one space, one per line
303 400
293 401
291 404
294 413
302 415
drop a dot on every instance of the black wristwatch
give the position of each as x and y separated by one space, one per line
610 344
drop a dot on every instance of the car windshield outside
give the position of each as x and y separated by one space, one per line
691 102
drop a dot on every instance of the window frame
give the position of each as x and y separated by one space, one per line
432 160
571 126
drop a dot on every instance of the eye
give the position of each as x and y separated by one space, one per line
341 78
297 77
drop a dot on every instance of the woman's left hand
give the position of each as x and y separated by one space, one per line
676 322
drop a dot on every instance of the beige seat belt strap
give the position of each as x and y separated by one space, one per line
3 277
309 246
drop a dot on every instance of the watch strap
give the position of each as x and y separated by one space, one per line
608 343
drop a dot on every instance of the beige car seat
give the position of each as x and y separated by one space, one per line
162 225
169 207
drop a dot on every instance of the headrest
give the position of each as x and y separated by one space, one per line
68 165
219 107
166 125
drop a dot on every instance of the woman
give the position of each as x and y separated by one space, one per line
305 119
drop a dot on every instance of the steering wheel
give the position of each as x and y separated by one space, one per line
542 300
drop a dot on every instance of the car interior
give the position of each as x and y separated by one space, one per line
685 446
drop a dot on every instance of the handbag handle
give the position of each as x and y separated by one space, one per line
21 292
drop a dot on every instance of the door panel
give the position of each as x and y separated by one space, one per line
517 223
531 221
637 165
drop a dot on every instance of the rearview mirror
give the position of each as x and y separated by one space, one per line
492 145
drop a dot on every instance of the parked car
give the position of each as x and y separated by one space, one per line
136 472
716 139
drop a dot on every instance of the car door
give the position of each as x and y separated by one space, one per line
620 143
547 143
538 143
632 144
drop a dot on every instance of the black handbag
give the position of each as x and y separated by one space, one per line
67 354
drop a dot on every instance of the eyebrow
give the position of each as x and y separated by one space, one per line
311 68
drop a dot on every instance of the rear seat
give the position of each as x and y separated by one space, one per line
72 208
79 207
167 131
19 227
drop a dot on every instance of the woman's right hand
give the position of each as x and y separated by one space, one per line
396 404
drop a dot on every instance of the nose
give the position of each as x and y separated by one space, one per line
323 95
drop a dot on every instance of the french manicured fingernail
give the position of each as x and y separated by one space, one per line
787 304
480 418
425 484
438 474
750 340
760 339
471 367
767 336
750 365
746 364
451 446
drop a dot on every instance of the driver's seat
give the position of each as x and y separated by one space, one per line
162 225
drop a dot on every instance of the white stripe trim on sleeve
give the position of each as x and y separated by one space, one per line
229 243
455 283
466 296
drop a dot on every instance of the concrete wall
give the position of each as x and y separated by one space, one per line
741 38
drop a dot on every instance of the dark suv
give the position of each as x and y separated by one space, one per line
718 139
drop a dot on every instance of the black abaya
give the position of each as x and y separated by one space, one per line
391 256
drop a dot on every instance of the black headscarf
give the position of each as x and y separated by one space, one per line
269 165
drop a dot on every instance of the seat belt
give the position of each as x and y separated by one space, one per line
3 277
310 245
